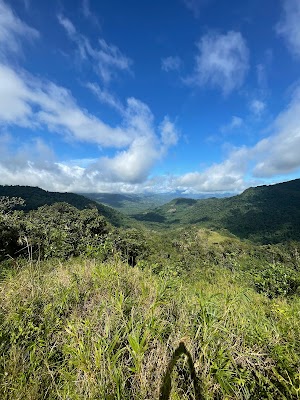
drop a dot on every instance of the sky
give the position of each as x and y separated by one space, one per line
195 96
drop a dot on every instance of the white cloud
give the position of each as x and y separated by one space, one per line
221 62
257 107
130 166
279 153
275 155
105 97
171 63
29 102
68 26
289 26
12 30
13 94
169 133
136 142
236 122
107 59
226 176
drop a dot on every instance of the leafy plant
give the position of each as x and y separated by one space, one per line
277 280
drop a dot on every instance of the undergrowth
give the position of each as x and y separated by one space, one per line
82 329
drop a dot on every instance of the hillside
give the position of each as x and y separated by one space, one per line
131 204
94 327
265 214
35 197
88 311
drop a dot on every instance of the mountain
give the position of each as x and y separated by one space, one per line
264 214
35 197
131 204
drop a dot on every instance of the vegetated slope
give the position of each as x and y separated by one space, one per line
131 204
83 329
35 197
266 214
95 327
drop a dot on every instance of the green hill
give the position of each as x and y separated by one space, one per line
130 203
265 214
134 203
35 197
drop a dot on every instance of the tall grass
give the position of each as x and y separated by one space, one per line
88 330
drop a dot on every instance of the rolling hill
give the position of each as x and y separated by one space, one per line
134 203
264 214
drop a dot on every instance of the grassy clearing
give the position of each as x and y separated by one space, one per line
86 330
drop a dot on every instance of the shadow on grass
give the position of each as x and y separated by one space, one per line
166 386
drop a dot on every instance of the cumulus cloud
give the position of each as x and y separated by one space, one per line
12 30
221 62
106 58
29 102
275 155
279 154
289 27
225 176
172 63
136 142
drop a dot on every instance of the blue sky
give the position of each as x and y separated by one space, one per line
149 96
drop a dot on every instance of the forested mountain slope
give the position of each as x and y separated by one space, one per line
35 197
266 214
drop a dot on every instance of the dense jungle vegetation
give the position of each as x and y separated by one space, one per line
93 309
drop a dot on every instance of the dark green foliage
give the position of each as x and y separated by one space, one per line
9 224
35 197
59 230
131 244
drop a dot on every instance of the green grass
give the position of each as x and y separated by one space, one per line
86 330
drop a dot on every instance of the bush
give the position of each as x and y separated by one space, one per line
277 280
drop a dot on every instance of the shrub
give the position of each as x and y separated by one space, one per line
277 280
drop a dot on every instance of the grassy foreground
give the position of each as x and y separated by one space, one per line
85 330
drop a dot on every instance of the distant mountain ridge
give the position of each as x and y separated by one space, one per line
35 197
265 214
132 203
